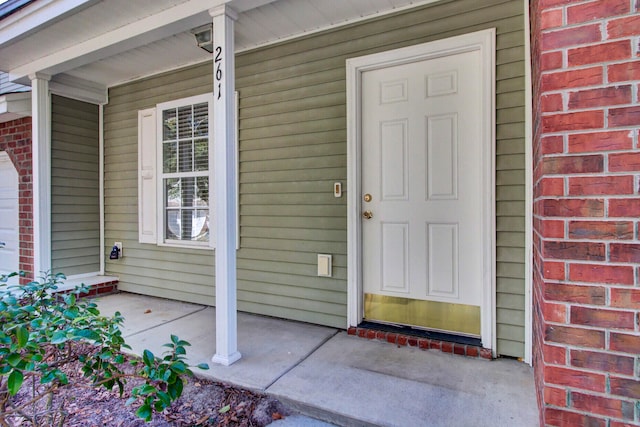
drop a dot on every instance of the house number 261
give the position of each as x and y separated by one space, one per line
218 66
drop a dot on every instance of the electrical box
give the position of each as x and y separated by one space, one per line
324 265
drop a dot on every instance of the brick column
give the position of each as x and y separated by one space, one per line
15 139
586 153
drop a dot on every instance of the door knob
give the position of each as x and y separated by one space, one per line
367 197
367 214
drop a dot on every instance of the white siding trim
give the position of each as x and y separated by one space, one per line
79 89
101 184
236 120
354 190
528 165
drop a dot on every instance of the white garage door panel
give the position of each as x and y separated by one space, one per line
9 212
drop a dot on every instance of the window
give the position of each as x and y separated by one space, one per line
184 174
175 162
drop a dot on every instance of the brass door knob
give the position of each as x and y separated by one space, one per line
367 214
367 197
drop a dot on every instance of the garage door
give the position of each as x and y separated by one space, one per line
9 210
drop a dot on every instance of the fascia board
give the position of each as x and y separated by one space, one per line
34 16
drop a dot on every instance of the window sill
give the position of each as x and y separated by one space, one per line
186 246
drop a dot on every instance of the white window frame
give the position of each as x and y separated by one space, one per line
161 218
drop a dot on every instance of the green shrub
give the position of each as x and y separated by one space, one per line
41 332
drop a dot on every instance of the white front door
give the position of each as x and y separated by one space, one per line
422 193
9 231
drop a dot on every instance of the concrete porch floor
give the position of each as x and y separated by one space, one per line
326 374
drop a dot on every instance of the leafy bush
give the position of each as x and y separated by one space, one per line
42 331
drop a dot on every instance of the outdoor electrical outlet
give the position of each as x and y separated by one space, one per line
119 245
324 265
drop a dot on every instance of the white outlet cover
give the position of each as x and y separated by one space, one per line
324 265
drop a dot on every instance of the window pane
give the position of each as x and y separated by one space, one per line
201 154
201 226
201 119
185 156
185 118
172 225
169 157
168 124
172 192
188 192
202 184
186 223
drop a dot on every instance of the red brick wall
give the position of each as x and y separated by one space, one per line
586 153
15 139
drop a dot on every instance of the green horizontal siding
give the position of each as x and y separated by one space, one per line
75 204
292 109
293 140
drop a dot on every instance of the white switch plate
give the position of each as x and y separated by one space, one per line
324 265
119 245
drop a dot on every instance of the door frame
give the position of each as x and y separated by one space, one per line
484 42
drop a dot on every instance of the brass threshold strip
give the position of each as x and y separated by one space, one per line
433 315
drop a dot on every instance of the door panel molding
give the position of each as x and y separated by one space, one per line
482 42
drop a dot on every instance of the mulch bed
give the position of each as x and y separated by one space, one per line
199 405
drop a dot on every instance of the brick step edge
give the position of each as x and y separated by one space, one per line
422 343
99 289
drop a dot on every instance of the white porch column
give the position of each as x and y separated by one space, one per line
41 172
225 185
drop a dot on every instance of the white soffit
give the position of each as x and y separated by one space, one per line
285 19
261 23
165 54
88 23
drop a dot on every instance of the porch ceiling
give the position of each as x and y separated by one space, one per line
113 41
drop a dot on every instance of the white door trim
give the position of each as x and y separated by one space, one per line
484 42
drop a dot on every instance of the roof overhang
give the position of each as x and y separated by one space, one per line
87 46
14 106
11 6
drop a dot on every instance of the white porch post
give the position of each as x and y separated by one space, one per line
41 172
225 185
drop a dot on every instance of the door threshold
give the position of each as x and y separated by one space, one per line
422 333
